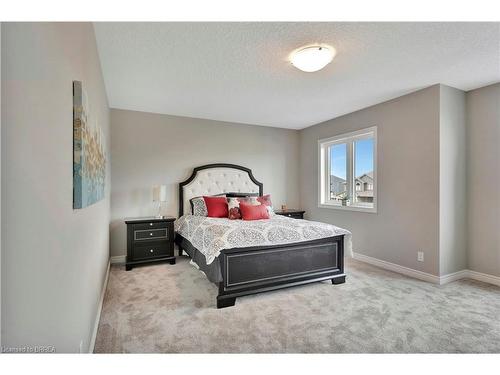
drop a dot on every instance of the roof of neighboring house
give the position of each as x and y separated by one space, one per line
369 175
334 179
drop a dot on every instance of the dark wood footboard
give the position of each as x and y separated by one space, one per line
260 269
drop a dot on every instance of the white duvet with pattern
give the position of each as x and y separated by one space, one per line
211 235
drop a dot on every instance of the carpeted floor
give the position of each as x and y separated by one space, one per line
171 309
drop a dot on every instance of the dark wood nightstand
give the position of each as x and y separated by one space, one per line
291 212
149 239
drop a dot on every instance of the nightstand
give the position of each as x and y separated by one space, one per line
149 240
291 212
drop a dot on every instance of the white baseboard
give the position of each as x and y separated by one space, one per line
453 277
441 280
99 309
484 277
119 259
398 269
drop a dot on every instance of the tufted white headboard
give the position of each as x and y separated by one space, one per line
213 179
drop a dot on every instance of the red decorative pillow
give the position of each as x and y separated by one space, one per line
216 206
249 212
265 200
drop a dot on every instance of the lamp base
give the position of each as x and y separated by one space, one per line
158 213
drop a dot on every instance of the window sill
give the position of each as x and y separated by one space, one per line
372 210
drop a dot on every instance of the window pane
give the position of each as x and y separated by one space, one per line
338 172
363 172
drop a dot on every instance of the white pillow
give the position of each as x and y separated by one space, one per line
233 206
253 201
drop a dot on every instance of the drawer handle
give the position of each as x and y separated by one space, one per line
151 250
150 234
150 224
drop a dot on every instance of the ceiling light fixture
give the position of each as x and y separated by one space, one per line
313 58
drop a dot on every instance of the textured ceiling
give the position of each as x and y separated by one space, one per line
239 72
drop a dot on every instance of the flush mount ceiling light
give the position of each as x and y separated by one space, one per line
313 58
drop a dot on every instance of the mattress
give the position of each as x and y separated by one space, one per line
209 236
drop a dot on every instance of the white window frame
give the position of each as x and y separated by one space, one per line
324 169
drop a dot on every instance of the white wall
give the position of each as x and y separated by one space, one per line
452 181
483 179
149 149
54 258
408 180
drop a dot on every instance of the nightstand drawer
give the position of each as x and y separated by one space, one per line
150 225
152 234
151 250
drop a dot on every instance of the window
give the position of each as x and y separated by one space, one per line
348 178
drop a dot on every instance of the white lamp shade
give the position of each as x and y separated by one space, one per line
160 193
312 59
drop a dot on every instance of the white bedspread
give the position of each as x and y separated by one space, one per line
211 235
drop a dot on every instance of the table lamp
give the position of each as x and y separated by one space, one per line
159 197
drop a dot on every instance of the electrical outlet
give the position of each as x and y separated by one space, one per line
420 256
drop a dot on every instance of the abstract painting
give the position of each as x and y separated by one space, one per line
89 156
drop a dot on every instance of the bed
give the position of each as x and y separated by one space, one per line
248 257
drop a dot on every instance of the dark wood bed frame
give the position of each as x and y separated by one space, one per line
251 270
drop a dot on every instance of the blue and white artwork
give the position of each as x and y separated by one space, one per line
89 156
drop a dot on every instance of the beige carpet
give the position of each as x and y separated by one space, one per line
171 309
